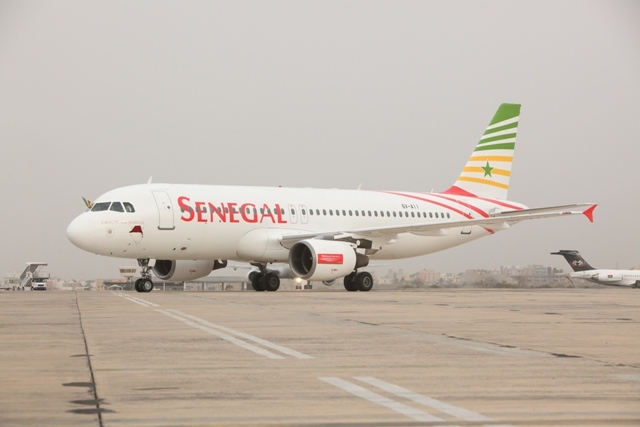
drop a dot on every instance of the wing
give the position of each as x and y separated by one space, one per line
498 220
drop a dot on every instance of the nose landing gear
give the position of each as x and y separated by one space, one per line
144 284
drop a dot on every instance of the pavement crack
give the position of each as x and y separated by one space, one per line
98 410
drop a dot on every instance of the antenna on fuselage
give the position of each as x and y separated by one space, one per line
359 187
150 178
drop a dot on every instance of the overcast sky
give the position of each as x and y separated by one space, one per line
391 95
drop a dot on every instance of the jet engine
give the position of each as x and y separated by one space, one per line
609 277
180 271
324 260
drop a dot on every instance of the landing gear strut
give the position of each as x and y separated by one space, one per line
144 284
264 280
355 281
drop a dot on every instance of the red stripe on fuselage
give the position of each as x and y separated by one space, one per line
466 215
460 192
411 196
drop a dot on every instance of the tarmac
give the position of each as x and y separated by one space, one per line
441 357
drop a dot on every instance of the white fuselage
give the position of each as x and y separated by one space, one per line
610 277
198 222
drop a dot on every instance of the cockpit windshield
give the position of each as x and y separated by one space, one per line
115 207
102 206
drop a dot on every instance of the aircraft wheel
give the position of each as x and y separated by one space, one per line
257 282
271 282
146 285
350 282
364 281
136 285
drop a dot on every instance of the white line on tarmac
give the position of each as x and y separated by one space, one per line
378 399
139 302
631 377
240 343
269 344
145 301
457 412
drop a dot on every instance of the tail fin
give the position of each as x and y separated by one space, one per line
575 260
488 170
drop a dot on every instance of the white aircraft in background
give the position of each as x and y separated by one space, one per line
323 235
582 270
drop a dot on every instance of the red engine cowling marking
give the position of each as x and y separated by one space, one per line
330 259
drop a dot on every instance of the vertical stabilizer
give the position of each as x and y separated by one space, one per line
488 170
575 260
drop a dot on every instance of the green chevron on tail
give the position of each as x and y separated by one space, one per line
488 170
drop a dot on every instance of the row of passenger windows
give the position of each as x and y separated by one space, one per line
331 212
389 214
113 206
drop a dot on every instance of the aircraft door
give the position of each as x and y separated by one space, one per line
293 215
304 218
165 210
467 212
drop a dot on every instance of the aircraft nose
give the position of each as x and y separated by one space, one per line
78 233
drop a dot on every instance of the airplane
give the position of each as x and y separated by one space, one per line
582 270
184 232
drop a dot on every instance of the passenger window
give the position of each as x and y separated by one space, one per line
357 213
337 212
350 213
413 215
116 207
430 215
102 206
448 215
324 212
331 212
128 207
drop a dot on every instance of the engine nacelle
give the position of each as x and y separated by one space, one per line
609 277
181 271
324 260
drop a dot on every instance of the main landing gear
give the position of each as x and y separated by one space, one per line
355 281
264 280
144 284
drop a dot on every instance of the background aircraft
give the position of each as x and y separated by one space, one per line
323 235
582 270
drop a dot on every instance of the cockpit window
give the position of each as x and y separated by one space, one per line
117 207
102 206
128 207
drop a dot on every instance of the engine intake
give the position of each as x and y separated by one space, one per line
180 271
324 260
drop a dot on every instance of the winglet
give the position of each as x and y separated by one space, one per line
589 212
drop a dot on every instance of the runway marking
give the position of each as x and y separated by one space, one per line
269 344
136 300
214 329
378 399
409 411
430 402
236 341
632 377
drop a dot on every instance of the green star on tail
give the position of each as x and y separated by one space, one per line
487 170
